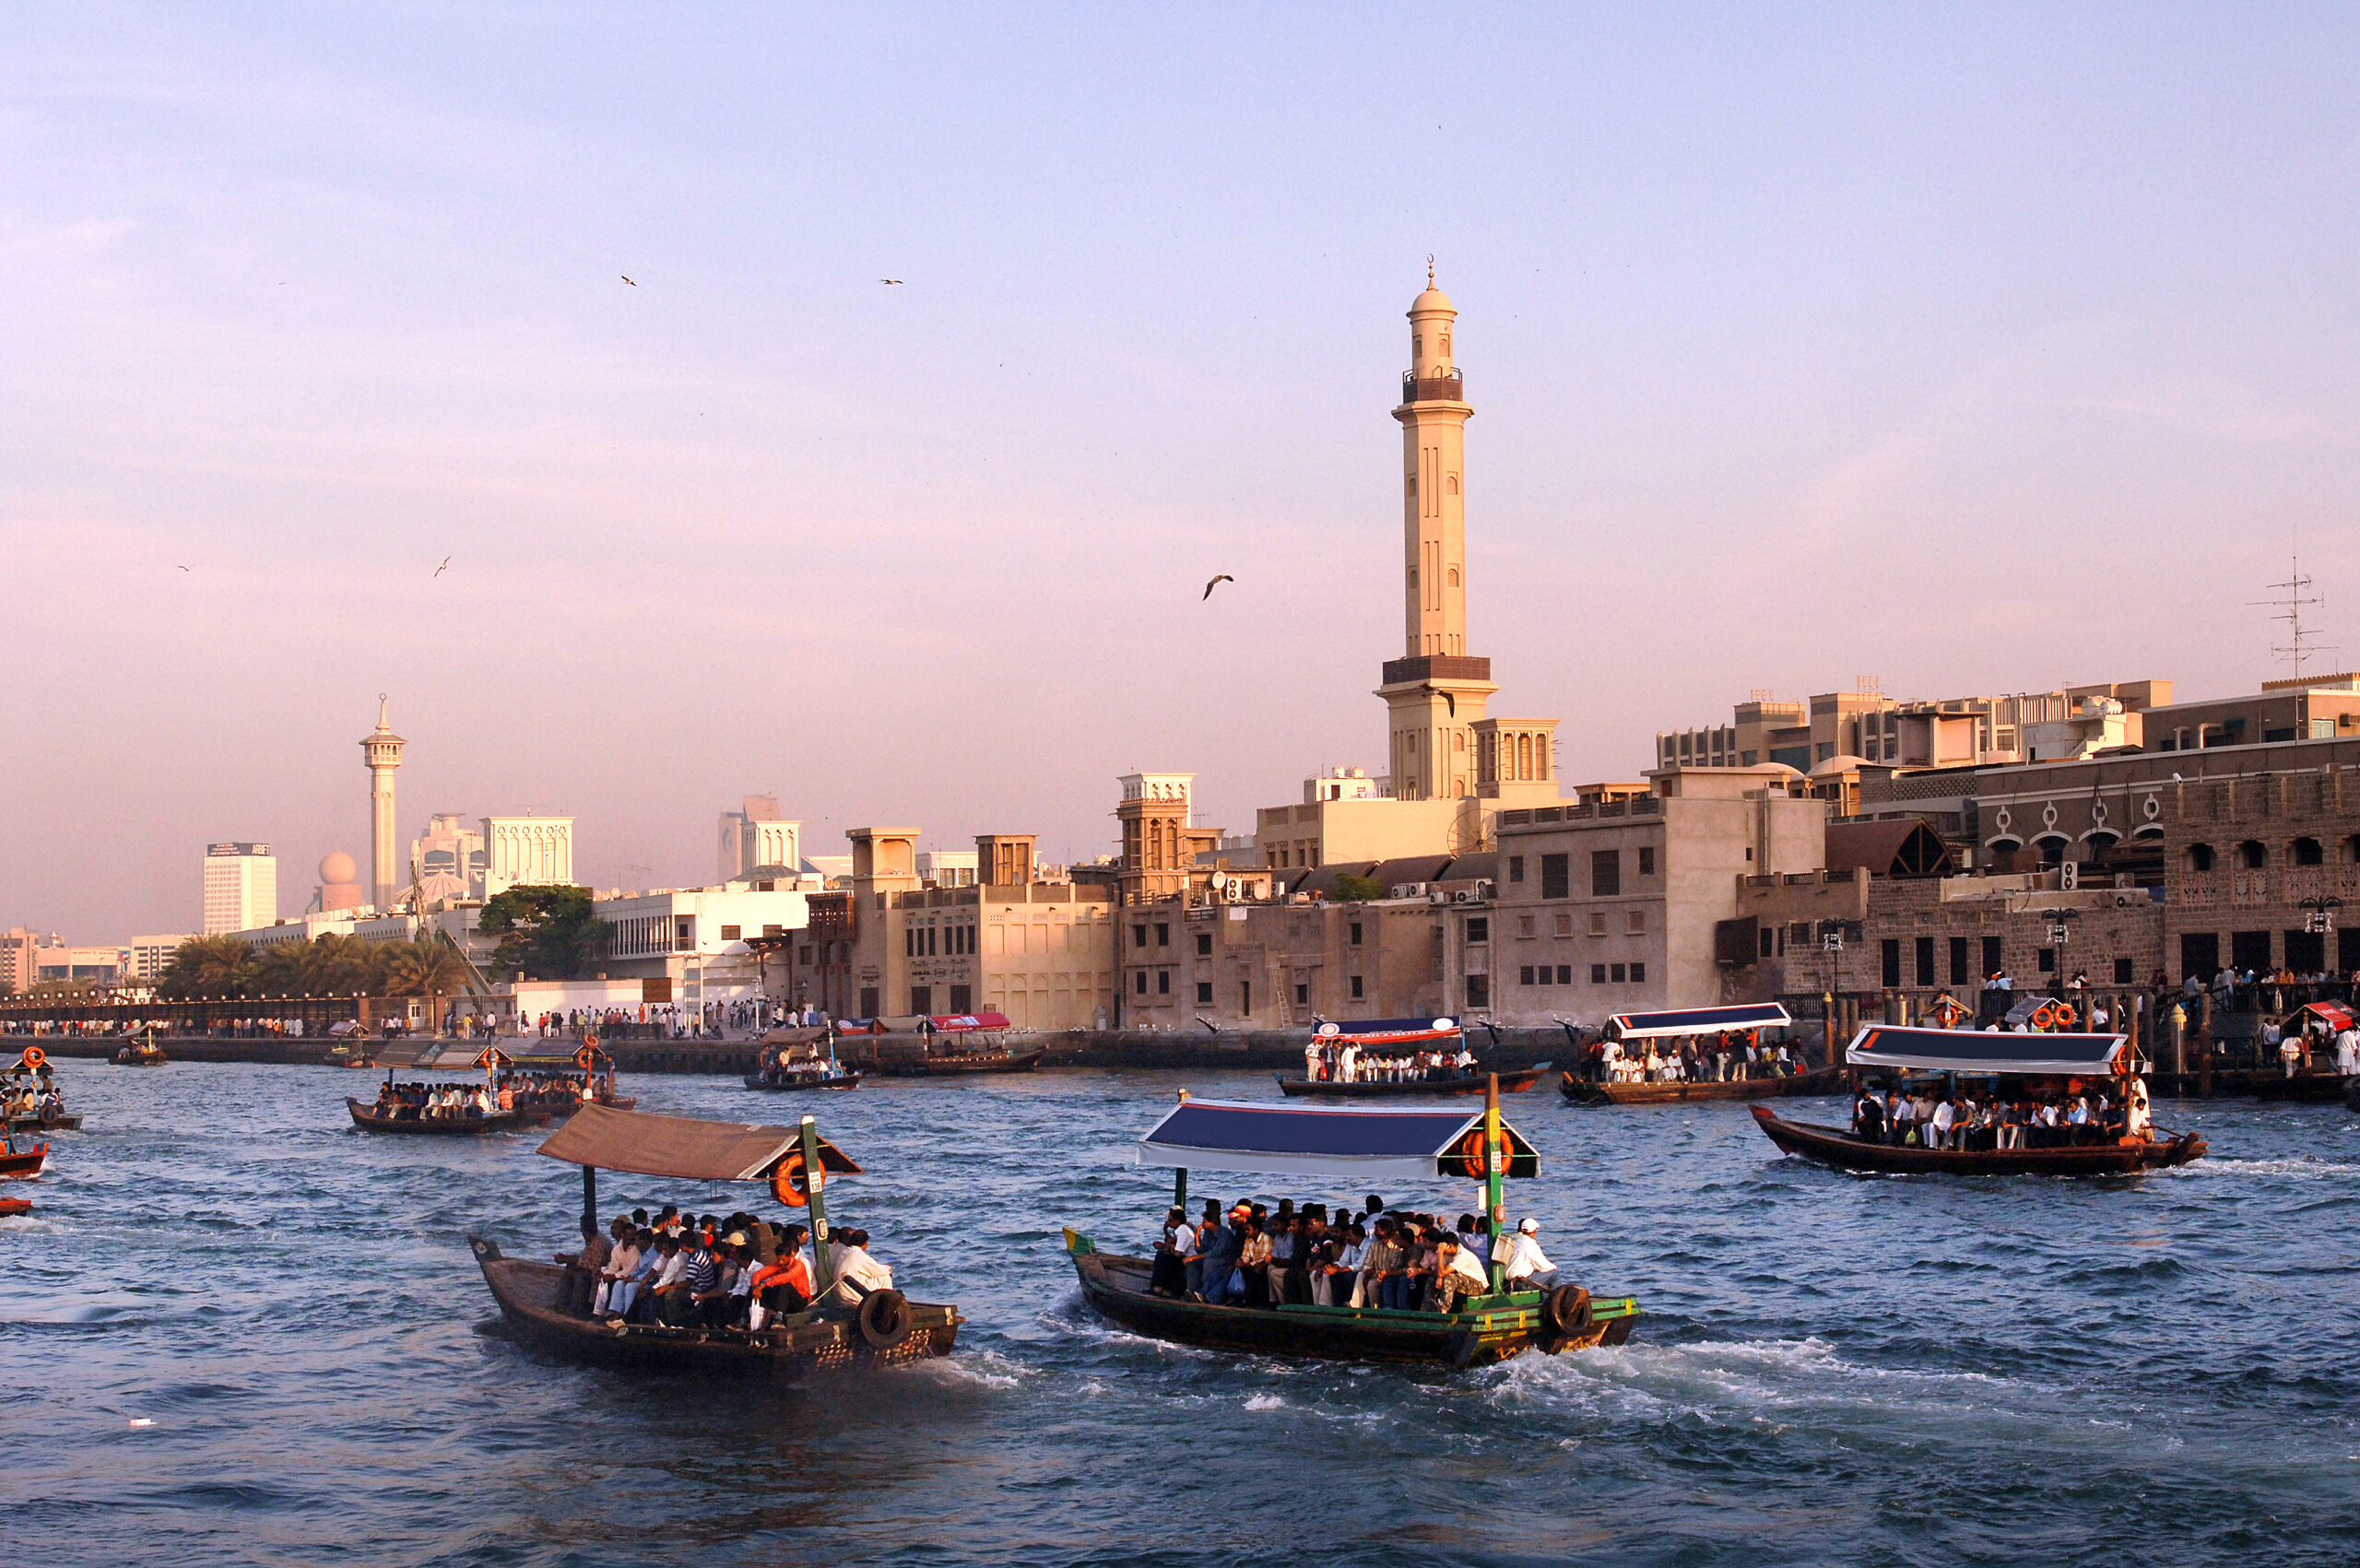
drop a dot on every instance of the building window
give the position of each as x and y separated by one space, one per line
2049 960
1162 935
1204 993
1564 975
2308 852
1605 873
1993 960
1356 933
2122 972
1524 976
1960 973
1301 994
1163 982
1646 860
729 933
922 999
1638 974
1889 955
1138 983
1597 923
1479 990
2251 856
1139 935
1598 975
1524 925
1638 922
909 941
1245 998
1478 931
1515 868
1356 987
1924 955
1556 877
2200 857
1618 972
1204 944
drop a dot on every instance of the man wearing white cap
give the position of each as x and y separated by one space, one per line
1527 1266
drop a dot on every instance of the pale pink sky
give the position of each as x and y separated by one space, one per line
1976 353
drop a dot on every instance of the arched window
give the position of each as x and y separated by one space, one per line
1450 484
2052 847
2200 857
1524 756
2102 838
1417 344
2253 855
2004 844
1453 577
1446 346
2310 852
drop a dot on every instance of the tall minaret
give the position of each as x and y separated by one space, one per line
382 751
1437 690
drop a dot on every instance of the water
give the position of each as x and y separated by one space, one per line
1899 1371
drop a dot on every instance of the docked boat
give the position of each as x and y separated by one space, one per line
545 1304
1395 1059
1361 1145
20 1160
1733 1029
2023 1064
29 1090
961 1064
12 1207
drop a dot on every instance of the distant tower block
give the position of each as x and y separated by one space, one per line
382 751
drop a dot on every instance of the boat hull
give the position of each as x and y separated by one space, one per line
526 1294
366 1118
25 1166
1116 1287
1833 1146
12 1207
962 1064
1422 1089
842 1080
1820 1080
34 1124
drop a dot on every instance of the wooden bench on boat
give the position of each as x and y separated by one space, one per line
545 1304
1989 1053
1361 1145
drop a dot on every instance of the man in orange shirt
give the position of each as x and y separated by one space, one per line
784 1285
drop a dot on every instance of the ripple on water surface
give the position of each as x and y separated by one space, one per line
260 1337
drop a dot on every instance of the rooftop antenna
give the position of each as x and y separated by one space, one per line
2298 597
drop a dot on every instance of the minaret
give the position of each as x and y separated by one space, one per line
1436 691
382 751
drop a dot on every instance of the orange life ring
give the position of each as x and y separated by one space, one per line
587 1057
34 1057
1469 1154
790 1184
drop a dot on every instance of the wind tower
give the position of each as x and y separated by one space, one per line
380 750
1436 691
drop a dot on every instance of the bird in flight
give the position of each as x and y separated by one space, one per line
627 280
1448 700
178 567
438 571
1224 577
889 281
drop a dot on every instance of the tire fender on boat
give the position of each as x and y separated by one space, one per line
1568 1309
884 1318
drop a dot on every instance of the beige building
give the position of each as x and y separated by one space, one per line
526 852
2324 707
757 836
1041 953
2077 721
240 887
1161 841
1606 908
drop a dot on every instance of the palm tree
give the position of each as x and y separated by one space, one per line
207 966
424 966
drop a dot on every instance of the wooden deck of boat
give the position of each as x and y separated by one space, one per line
808 1341
1837 1146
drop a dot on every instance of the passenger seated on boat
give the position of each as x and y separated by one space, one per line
785 1286
1223 1280
1384 1270
1868 1117
622 1261
1458 1273
1526 1266
1254 1262
859 1273
647 1265
1937 1127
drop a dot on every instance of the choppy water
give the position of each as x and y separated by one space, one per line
1831 1369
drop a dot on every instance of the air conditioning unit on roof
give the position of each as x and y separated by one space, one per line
1409 889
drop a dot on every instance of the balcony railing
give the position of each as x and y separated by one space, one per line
1449 388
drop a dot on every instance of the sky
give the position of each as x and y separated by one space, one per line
1972 350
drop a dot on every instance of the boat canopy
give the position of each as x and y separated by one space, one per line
2335 1015
1348 1141
1390 1031
649 1145
960 1023
1983 1050
1698 1020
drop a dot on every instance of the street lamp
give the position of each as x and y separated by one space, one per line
2318 915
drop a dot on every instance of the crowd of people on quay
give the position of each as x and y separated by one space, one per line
1375 1257
1926 1115
686 1270
1341 1059
1726 1057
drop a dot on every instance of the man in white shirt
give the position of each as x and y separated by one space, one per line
1945 1117
1527 1266
1459 1277
2347 1052
857 1273
1348 1064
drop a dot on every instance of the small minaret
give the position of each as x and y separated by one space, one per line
1436 691
382 751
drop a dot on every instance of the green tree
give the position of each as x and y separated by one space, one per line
550 932
1357 890
207 966
428 966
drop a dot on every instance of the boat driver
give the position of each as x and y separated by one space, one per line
1526 1266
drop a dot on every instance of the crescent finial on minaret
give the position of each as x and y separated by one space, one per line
1430 270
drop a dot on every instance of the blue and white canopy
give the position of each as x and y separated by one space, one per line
1390 1031
1698 1020
1413 1143
1983 1050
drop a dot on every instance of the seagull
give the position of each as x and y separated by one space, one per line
889 281
1448 700
177 567
1224 577
438 571
625 279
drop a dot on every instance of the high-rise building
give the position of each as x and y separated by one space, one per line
147 957
240 887
451 858
758 834
535 851
381 751
16 958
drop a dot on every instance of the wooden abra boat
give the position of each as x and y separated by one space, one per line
1516 1082
793 1079
366 1116
145 1053
1358 1145
32 1072
22 1165
12 1207
1819 1080
961 1064
1998 1055
798 1065
543 1303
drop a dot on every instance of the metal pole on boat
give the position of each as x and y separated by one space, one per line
1494 1167
589 1201
823 1276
